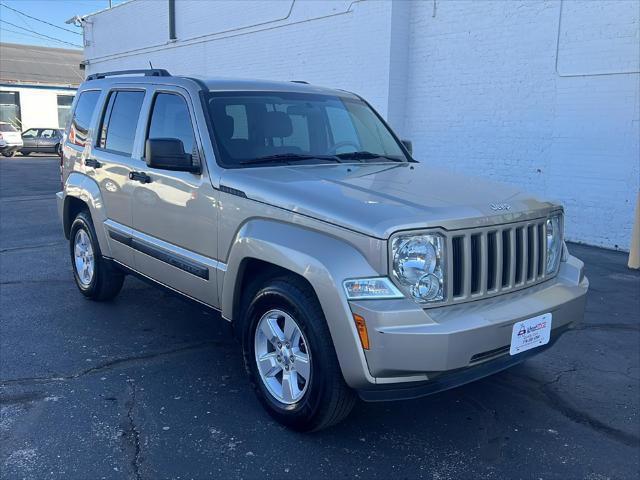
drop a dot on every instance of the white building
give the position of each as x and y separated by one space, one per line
544 95
37 85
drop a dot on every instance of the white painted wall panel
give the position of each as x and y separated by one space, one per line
544 95
38 106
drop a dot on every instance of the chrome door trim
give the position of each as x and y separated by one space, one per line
166 252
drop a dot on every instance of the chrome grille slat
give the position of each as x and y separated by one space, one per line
498 282
491 260
467 265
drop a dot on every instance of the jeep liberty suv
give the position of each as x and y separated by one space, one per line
347 268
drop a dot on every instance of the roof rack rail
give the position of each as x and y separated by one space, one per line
300 81
149 72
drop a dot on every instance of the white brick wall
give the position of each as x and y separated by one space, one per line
542 94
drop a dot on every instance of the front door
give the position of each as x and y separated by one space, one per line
30 140
174 214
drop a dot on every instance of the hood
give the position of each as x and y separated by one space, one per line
379 199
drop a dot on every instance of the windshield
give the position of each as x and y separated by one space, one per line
256 128
6 127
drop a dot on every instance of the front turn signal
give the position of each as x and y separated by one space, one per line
361 325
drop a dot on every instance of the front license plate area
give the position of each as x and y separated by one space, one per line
530 333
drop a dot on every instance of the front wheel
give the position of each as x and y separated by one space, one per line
96 278
25 153
8 153
290 358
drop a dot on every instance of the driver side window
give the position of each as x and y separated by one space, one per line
31 133
170 119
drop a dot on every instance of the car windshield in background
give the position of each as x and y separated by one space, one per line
7 127
276 128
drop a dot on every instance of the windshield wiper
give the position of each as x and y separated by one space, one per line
287 157
363 155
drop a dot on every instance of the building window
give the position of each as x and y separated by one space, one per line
10 109
64 110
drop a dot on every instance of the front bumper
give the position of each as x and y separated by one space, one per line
439 348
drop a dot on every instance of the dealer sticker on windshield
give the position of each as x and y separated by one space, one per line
530 333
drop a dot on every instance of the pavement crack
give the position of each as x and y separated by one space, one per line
533 388
133 433
30 282
31 247
608 326
559 376
125 361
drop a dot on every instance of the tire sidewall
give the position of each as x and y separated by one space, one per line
83 222
276 296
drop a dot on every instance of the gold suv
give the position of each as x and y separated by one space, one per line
347 268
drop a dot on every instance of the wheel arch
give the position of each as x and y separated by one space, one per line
270 248
82 192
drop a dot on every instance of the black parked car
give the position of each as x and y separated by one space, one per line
45 140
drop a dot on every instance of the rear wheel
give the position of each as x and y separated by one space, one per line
290 358
8 153
96 278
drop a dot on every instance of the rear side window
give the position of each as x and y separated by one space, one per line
170 119
118 127
82 117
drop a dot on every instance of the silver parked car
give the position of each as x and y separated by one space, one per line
347 268
42 140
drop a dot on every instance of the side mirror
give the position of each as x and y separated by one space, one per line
408 145
168 154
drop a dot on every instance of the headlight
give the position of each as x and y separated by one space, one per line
418 266
554 243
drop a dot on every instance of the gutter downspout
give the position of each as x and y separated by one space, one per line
172 20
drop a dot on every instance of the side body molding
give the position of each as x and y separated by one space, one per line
86 189
324 261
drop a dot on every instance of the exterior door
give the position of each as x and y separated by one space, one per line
30 140
112 159
174 214
47 140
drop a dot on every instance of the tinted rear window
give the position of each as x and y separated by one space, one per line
82 117
5 127
118 130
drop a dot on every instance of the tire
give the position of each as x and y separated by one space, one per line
58 150
105 280
25 154
325 399
9 154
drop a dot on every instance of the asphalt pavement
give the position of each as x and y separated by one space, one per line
149 386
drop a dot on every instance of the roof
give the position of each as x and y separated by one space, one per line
209 83
31 64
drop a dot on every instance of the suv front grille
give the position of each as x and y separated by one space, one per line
491 260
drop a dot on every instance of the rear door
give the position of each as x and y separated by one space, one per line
114 154
47 140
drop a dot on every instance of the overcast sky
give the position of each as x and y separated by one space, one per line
17 28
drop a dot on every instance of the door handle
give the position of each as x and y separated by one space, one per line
92 162
140 177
